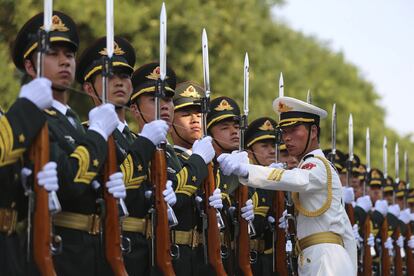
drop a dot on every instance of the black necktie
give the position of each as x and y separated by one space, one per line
127 134
75 121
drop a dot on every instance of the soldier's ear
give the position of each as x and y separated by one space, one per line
30 68
314 131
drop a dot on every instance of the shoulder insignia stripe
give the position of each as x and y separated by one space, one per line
83 175
7 154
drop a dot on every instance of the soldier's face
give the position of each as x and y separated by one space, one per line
226 134
59 65
146 110
120 88
356 185
374 193
400 202
187 126
291 161
411 206
264 151
388 196
296 137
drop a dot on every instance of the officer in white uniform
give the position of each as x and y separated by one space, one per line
326 243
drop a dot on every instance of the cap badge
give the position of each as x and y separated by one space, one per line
155 74
190 92
375 174
267 126
224 105
284 108
57 25
117 50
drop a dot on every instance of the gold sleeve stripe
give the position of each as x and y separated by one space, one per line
127 168
326 205
7 154
226 197
261 211
184 192
83 175
275 175
255 199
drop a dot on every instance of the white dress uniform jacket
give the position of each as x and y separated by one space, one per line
310 181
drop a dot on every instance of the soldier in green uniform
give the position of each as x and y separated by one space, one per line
18 128
78 153
223 126
185 177
186 130
260 142
134 152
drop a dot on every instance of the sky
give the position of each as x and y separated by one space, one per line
375 35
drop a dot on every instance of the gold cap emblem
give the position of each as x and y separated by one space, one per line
57 25
155 74
375 174
190 92
284 108
224 105
117 50
267 126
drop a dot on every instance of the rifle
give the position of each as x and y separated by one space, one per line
279 236
160 239
39 154
243 228
385 256
213 220
112 229
348 207
408 233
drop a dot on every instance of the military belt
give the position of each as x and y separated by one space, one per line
8 220
191 238
88 223
318 238
137 225
257 245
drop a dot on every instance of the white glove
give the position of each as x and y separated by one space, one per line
381 205
103 119
116 185
95 184
394 209
405 216
247 211
412 217
282 220
371 240
234 163
169 194
388 244
204 148
47 177
277 166
357 236
39 92
271 219
400 241
348 194
411 242
155 131
364 202
215 199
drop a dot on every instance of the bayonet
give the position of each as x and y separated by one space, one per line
333 134
397 163
407 173
281 86
309 97
350 150
368 157
385 157
278 133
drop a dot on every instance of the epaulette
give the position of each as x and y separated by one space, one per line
50 112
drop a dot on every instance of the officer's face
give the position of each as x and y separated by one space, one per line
146 104
120 88
291 161
375 193
59 65
264 152
187 126
225 133
356 185
411 206
342 177
400 202
295 138
389 196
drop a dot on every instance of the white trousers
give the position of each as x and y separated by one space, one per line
325 259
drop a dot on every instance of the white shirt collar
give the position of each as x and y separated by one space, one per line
60 107
121 126
317 152
188 151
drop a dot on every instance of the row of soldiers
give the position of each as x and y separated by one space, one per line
78 153
381 203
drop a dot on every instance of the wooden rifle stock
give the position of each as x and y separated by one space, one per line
213 232
112 228
243 240
398 261
42 235
279 247
408 252
162 237
350 212
367 259
385 257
